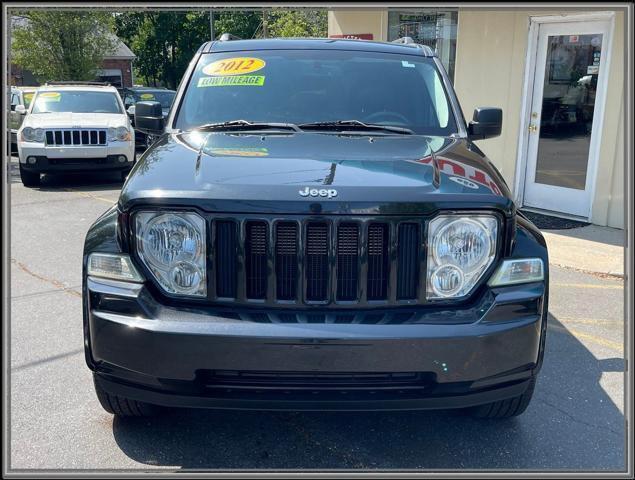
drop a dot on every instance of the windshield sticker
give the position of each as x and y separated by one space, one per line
51 96
405 63
146 96
240 152
234 66
240 81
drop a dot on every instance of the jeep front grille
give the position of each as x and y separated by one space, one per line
76 136
349 262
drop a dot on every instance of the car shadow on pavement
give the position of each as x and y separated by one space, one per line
571 424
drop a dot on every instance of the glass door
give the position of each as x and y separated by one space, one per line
564 124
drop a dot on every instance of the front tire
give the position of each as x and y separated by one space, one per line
29 179
124 407
510 407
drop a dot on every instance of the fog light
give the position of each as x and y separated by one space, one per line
185 277
31 160
122 158
447 280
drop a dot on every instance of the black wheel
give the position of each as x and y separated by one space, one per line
124 407
29 179
508 408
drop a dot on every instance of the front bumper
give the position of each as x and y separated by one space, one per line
76 158
210 357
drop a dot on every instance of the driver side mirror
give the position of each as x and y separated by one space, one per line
148 117
487 122
21 109
131 110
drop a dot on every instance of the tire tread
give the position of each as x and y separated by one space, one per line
124 407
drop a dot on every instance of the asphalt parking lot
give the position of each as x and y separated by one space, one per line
575 421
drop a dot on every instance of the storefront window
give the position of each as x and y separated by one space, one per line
437 29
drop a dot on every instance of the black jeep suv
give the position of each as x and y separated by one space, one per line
315 229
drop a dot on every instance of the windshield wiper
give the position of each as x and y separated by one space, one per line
356 124
246 125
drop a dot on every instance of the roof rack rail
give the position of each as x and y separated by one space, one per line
225 37
406 40
427 51
69 82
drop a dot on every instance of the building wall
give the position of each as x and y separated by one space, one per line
124 65
354 21
490 69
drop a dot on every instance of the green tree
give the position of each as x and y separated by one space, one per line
297 23
62 45
163 42
242 24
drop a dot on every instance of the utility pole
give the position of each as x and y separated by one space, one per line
211 23
265 30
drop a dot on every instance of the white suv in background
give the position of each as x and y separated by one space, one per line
75 127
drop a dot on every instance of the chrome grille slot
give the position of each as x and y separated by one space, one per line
76 136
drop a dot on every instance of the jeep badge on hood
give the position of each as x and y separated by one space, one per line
322 192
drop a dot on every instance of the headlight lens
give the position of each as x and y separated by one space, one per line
460 249
172 246
33 134
119 133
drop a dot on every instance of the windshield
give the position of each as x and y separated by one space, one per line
305 86
165 98
76 101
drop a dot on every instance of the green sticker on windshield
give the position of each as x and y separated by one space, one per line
50 96
239 81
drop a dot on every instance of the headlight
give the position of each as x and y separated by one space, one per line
120 133
172 246
461 248
33 134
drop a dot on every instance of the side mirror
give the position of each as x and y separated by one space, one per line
21 109
131 110
148 117
487 122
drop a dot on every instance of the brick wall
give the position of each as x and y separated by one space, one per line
124 65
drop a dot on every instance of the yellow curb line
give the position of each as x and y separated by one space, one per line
592 338
88 195
585 285
589 321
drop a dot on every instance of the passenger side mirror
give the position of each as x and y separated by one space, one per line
20 109
487 122
148 118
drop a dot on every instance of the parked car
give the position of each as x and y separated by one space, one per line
20 101
315 228
74 127
138 94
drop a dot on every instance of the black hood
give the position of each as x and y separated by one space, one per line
246 172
